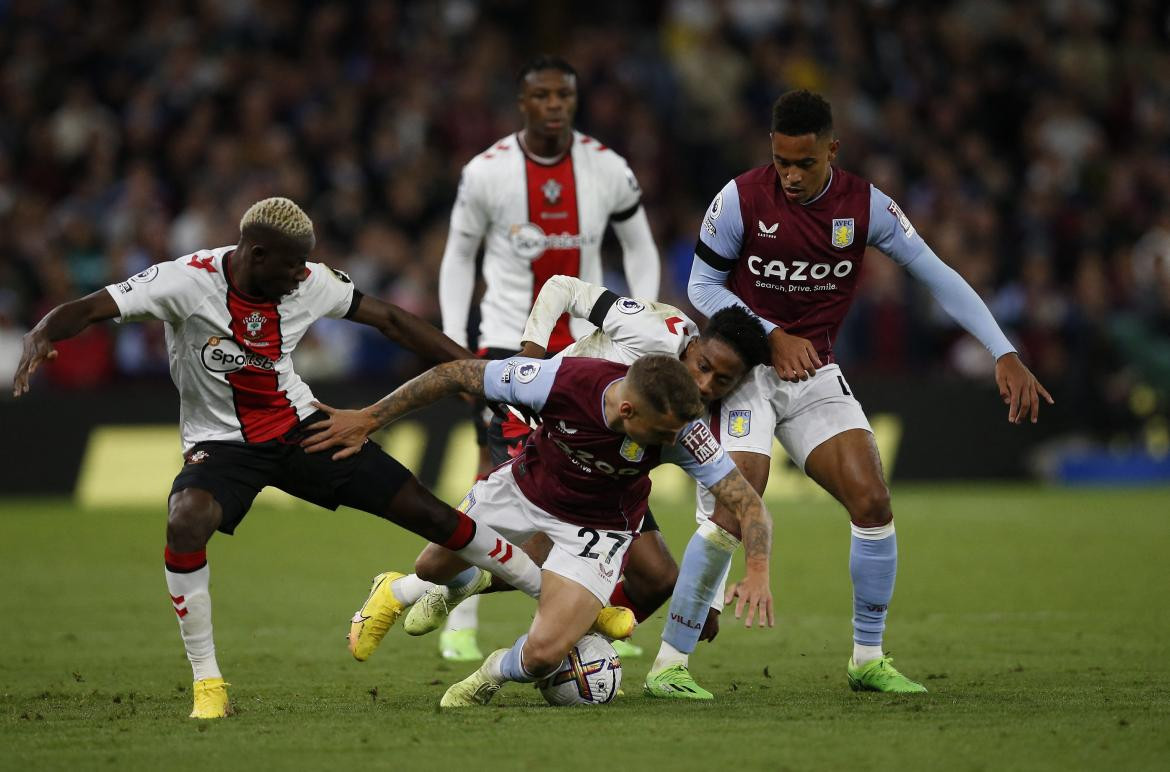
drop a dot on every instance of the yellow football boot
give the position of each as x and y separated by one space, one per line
615 622
374 619
211 699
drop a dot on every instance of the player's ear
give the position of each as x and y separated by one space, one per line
833 146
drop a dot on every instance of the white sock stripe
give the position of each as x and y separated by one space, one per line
718 537
873 534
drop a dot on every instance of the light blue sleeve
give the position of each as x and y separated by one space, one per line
699 453
722 229
520 381
707 291
720 239
891 231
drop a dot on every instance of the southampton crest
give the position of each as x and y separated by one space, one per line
254 322
551 190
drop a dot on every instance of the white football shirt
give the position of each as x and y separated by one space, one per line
538 220
230 353
627 328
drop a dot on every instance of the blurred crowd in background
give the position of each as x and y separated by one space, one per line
1028 142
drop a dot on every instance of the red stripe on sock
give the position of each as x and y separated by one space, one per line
620 598
462 535
184 561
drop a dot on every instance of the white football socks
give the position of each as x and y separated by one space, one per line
408 589
192 603
465 616
863 654
667 656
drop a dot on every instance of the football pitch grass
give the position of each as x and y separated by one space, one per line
1037 619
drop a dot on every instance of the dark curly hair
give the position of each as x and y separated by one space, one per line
544 62
802 112
736 327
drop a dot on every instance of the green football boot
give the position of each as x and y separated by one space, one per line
459 646
879 675
675 683
627 650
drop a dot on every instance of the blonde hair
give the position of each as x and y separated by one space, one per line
666 383
281 215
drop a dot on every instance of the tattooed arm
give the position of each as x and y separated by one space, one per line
735 494
349 429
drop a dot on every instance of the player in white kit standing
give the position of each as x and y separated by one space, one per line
539 201
233 316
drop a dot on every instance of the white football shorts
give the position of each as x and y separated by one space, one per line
590 557
800 415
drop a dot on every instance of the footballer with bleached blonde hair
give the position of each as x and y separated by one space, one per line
233 316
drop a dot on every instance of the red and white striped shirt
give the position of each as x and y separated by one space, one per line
537 220
230 353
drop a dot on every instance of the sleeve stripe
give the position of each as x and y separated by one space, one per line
626 214
713 258
353 306
601 308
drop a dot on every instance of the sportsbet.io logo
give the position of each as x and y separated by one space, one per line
224 355
529 241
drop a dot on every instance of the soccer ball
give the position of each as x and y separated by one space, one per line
590 675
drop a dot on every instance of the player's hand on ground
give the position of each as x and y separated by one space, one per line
1019 389
37 349
347 430
711 626
753 593
794 358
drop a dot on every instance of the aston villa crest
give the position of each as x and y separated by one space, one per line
254 322
551 190
739 423
632 451
843 232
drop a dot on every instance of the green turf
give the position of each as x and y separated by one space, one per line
1037 619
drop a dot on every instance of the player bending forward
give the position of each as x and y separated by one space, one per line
732 343
233 316
582 480
786 241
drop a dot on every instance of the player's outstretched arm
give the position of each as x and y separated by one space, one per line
408 330
64 321
347 430
737 495
1019 388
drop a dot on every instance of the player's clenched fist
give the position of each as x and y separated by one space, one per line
794 358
